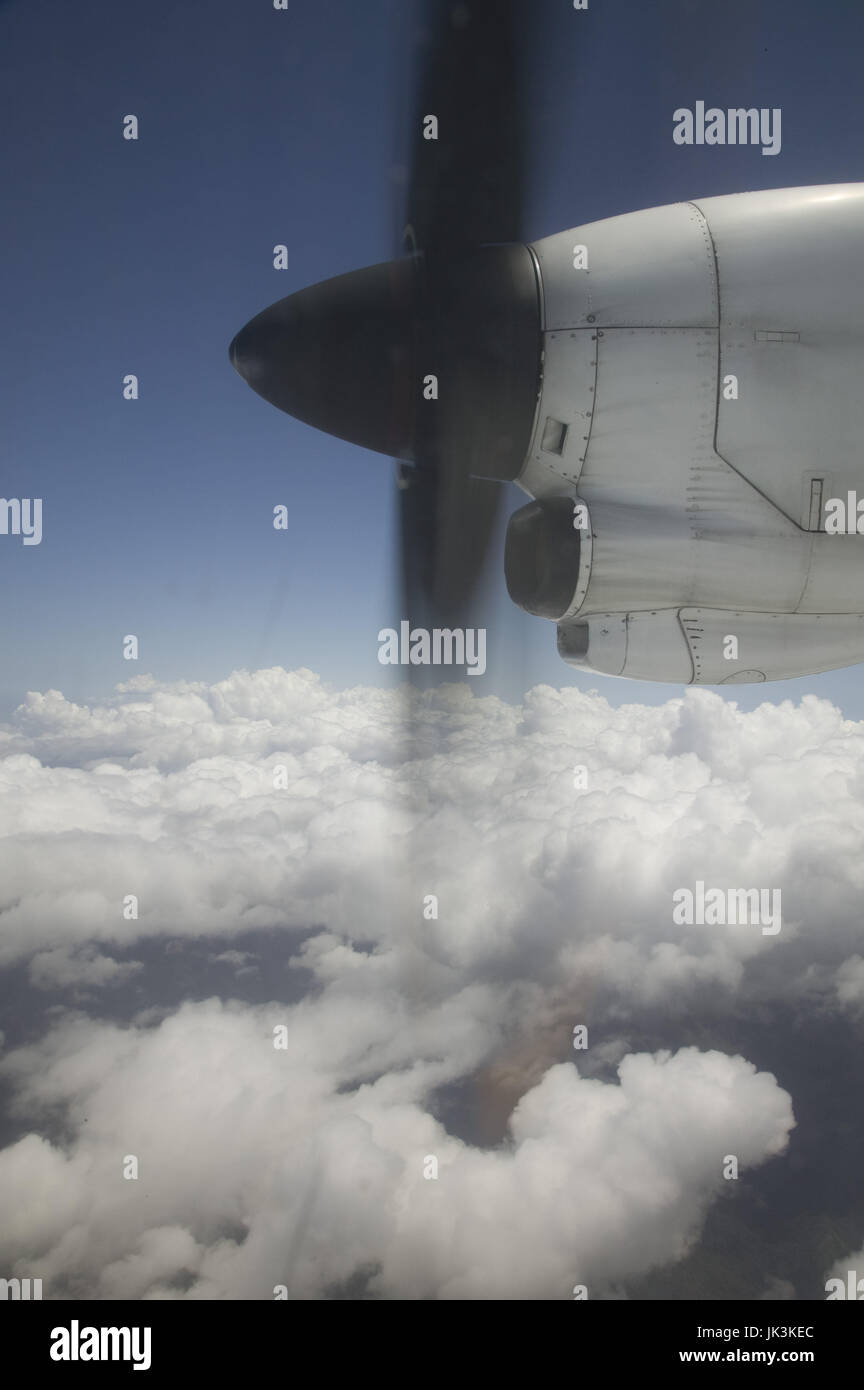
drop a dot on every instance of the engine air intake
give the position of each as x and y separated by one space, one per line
541 557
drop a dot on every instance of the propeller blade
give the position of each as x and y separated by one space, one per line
464 192
465 184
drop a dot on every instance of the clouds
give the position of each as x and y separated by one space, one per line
845 1278
257 1170
269 802
849 982
61 968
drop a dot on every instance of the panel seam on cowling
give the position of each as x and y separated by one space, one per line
731 466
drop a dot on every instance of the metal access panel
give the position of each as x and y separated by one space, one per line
769 646
649 269
562 427
790 404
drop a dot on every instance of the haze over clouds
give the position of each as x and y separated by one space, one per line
304 1166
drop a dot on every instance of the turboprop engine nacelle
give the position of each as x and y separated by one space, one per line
701 399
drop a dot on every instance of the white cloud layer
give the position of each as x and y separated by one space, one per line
597 1182
551 899
168 794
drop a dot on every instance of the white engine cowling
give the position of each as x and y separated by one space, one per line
701 397
702 646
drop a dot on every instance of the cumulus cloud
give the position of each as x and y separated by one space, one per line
268 801
256 1169
464 900
60 968
242 962
849 982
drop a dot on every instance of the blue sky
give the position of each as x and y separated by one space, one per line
260 127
